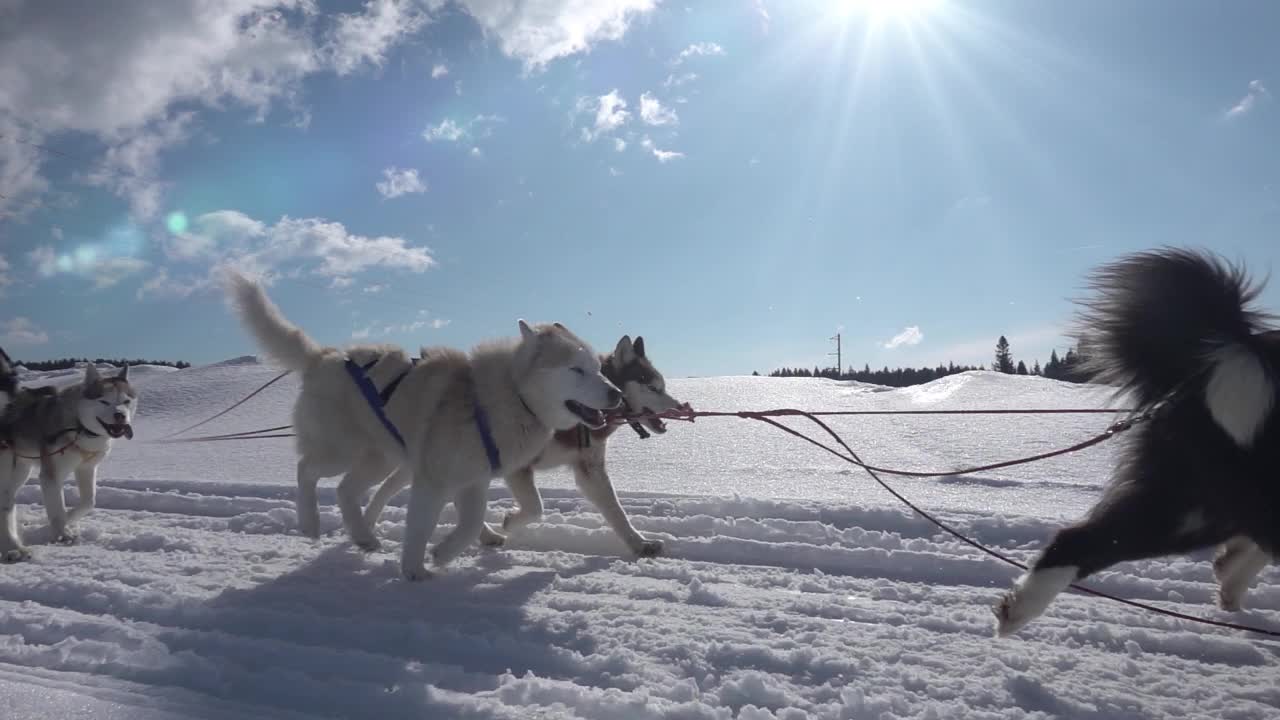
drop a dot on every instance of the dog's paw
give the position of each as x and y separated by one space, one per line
66 538
1011 615
493 540
369 545
1229 601
417 574
649 548
16 555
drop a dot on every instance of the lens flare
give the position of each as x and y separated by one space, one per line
176 222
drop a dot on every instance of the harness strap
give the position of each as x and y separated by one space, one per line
486 437
390 389
371 396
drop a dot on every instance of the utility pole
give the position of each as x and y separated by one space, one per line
839 359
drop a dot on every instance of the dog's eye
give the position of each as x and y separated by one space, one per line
654 388
579 370
104 402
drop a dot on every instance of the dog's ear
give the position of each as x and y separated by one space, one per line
6 362
91 376
624 352
526 332
559 326
639 346
124 372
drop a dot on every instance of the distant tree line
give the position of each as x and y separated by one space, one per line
1066 368
66 363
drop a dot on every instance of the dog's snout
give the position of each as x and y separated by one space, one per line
119 417
615 397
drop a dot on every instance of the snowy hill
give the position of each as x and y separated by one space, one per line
792 587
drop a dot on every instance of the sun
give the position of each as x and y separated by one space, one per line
885 10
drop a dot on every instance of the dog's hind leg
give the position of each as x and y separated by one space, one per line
1237 563
398 481
367 471
425 503
13 475
470 502
593 481
1132 522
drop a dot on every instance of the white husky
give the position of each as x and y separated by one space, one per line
64 432
455 421
643 391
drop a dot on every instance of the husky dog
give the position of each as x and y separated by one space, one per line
64 431
456 420
643 391
1174 328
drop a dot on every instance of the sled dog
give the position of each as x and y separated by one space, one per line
455 420
643 391
1175 329
67 431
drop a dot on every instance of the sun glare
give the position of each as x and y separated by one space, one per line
882 10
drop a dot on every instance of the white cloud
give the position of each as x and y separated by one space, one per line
439 70
674 80
398 182
375 288
5 280
619 144
449 130
290 247
536 32
131 168
696 50
365 37
1255 93
119 76
909 336
763 14
614 172
97 262
440 323
21 331
475 152
652 111
664 156
609 112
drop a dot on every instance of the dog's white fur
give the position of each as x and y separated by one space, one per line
588 463
1239 393
74 452
525 387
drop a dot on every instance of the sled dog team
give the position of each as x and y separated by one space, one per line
1175 329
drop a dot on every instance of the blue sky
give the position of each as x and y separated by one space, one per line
735 181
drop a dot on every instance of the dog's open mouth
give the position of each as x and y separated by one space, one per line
117 430
590 417
654 422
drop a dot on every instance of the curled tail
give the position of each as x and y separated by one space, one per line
279 338
1169 318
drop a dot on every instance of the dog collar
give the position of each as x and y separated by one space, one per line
84 430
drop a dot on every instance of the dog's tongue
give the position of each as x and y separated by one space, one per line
128 432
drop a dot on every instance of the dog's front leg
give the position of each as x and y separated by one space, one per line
528 500
13 475
368 470
593 480
470 502
87 482
426 500
51 476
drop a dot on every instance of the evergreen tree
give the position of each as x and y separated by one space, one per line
1036 370
1022 368
1004 358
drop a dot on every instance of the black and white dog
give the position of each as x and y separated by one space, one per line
1175 328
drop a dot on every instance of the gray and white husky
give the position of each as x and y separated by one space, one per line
456 420
643 391
63 432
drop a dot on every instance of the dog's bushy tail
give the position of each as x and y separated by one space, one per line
279 338
1164 318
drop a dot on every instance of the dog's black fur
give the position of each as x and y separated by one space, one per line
1155 329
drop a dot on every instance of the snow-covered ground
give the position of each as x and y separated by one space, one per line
792 586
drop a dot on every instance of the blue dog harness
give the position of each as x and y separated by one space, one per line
378 402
